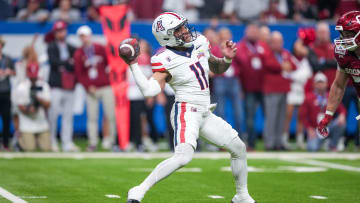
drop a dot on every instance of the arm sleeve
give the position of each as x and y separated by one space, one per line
148 87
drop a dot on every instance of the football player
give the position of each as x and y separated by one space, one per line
185 63
347 54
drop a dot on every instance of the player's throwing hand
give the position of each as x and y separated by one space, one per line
228 49
129 50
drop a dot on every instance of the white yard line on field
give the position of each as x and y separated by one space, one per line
324 164
7 195
33 197
112 196
317 197
199 155
216 197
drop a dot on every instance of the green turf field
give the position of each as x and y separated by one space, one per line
91 179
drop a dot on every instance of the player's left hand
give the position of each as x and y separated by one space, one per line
228 49
322 129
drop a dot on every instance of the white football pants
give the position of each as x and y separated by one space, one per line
189 122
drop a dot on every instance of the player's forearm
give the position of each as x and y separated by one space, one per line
149 87
335 96
219 65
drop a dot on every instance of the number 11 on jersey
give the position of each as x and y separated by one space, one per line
200 77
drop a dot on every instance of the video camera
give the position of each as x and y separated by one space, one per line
33 98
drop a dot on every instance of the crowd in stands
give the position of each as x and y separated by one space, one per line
263 74
234 11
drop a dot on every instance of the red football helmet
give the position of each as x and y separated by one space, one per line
349 27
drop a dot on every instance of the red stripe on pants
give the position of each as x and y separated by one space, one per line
183 123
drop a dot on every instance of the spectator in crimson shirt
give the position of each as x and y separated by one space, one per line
313 110
277 61
321 55
250 65
92 71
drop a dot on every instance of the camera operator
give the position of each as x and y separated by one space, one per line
32 97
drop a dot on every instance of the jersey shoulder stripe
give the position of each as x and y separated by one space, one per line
157 64
157 67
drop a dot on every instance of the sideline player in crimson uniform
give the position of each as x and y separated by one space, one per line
185 64
347 54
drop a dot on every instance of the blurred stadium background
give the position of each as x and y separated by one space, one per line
288 17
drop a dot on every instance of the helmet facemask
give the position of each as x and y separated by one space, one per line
346 42
181 39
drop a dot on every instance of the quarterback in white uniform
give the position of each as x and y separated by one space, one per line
184 63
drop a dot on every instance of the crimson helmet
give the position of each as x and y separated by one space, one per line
350 21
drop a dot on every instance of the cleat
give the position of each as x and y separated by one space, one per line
132 201
135 195
242 199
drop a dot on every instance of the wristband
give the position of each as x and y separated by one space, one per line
330 113
226 60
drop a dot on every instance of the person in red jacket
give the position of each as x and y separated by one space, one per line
92 71
277 61
313 110
321 56
250 65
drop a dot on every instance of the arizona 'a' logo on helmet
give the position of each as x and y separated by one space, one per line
159 26
349 27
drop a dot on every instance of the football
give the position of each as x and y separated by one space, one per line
129 49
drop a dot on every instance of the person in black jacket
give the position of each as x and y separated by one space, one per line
6 70
62 82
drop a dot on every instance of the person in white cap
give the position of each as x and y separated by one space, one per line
313 110
92 71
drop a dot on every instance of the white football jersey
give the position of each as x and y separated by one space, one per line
189 70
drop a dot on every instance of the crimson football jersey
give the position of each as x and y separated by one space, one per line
349 62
